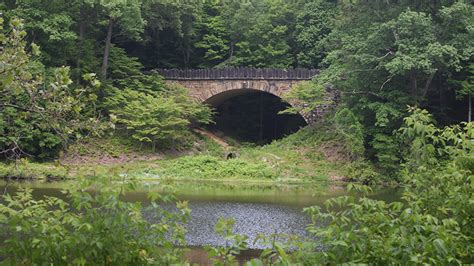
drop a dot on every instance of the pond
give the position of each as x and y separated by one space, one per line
257 208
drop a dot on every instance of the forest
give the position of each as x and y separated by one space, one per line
79 82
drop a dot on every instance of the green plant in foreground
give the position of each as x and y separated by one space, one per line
90 226
434 225
235 243
276 253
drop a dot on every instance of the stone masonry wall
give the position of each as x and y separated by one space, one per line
205 89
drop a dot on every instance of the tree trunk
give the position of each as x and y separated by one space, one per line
428 84
469 115
185 58
108 40
186 50
260 133
81 40
414 87
231 53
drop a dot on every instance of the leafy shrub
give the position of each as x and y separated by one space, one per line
40 113
154 112
205 166
275 254
235 243
347 125
362 171
434 225
466 163
93 226
387 152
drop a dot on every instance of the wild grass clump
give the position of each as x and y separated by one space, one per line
205 166
23 169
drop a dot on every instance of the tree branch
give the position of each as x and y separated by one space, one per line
19 107
364 92
383 84
428 83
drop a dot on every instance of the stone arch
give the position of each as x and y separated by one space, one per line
204 89
228 94
207 89
252 115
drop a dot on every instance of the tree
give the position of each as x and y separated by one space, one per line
39 114
156 117
191 12
146 106
124 14
49 24
313 24
383 56
213 35
466 88
258 34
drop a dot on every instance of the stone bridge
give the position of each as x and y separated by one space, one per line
214 86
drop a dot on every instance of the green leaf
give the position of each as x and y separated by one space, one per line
440 246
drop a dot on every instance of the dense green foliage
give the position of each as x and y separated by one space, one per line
155 113
434 225
39 113
90 225
381 56
215 168
163 33
42 109
385 55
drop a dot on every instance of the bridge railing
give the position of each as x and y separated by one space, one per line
239 73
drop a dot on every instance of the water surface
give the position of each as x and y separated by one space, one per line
256 208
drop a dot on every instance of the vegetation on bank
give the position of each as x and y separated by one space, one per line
381 56
378 63
43 111
300 157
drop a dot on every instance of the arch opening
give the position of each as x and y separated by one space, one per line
249 115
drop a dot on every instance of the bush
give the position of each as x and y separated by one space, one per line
154 112
348 126
93 226
433 225
205 166
363 172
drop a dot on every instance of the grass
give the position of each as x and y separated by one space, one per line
210 167
296 158
24 169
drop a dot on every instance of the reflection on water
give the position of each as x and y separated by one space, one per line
256 208
199 256
296 195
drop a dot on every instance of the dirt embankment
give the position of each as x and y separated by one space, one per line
116 151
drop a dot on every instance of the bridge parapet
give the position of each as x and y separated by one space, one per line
246 73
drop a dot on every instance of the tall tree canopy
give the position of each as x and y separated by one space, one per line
380 55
